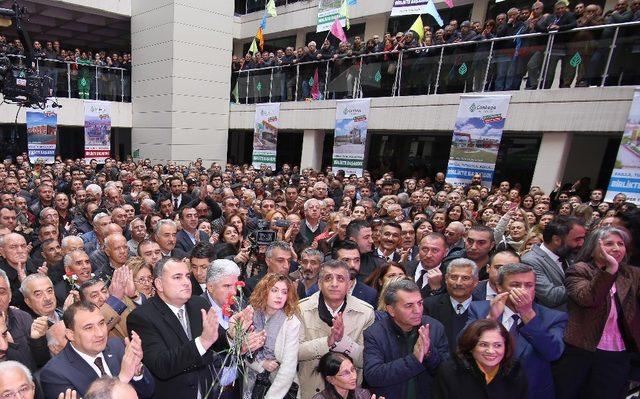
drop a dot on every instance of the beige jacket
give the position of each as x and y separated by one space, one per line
117 323
358 316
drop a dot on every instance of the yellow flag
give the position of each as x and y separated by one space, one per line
418 27
344 12
271 8
254 47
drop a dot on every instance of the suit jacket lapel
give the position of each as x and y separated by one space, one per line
552 265
171 319
195 319
86 372
112 361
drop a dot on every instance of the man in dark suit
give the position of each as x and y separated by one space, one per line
189 236
178 199
89 355
537 330
347 251
312 225
180 335
426 272
359 231
487 289
165 235
200 258
452 308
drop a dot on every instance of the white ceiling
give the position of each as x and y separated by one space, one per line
73 27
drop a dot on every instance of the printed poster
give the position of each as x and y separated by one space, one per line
476 138
42 132
265 135
352 118
328 10
625 178
97 130
409 7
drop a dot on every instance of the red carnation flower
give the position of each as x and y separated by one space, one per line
240 284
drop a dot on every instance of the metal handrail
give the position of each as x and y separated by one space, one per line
37 59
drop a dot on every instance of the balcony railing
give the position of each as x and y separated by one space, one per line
81 80
248 6
605 55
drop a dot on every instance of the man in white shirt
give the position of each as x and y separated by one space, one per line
426 271
488 289
91 355
222 276
390 240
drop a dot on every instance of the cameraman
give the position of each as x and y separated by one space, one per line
279 259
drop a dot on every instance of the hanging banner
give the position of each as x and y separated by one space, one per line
625 178
42 132
265 135
352 119
97 130
328 10
476 138
409 7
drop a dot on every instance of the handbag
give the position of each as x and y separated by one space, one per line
263 383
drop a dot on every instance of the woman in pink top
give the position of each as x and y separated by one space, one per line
604 324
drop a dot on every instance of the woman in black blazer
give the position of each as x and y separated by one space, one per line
483 366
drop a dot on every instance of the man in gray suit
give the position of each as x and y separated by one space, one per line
563 238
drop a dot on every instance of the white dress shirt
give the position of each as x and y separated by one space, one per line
507 320
490 292
175 310
465 304
91 362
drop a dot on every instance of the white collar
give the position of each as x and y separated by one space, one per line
490 291
382 255
176 309
465 304
334 312
91 360
312 228
224 323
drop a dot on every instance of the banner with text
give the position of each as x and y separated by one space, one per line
625 178
476 138
97 130
409 7
352 119
42 131
265 135
328 10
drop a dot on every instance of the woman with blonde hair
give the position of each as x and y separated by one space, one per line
275 304
142 277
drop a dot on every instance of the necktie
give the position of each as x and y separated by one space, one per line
514 326
420 281
175 204
185 324
100 366
459 308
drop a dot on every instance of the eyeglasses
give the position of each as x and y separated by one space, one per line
20 393
144 280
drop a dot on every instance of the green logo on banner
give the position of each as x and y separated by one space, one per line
472 108
22 74
311 82
136 154
378 76
463 69
259 86
575 60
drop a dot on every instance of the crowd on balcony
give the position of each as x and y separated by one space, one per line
479 65
78 73
132 280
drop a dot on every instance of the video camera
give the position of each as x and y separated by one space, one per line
20 84
263 235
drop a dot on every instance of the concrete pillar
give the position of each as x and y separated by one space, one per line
479 10
552 159
376 25
181 53
312 148
301 39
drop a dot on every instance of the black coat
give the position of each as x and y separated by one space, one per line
171 357
440 308
458 380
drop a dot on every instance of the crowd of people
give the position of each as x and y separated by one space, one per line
509 65
130 279
85 80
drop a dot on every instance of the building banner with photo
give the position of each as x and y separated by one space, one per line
352 119
409 7
328 10
265 135
97 130
476 138
625 178
42 132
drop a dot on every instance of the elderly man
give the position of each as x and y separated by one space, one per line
16 379
138 234
70 244
95 238
77 270
454 233
116 251
538 330
311 226
27 336
180 335
110 388
91 355
222 276
331 320
15 263
403 349
451 308
165 235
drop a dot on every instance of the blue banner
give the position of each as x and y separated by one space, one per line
42 133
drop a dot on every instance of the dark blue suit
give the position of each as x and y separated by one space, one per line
184 243
69 370
539 343
361 291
